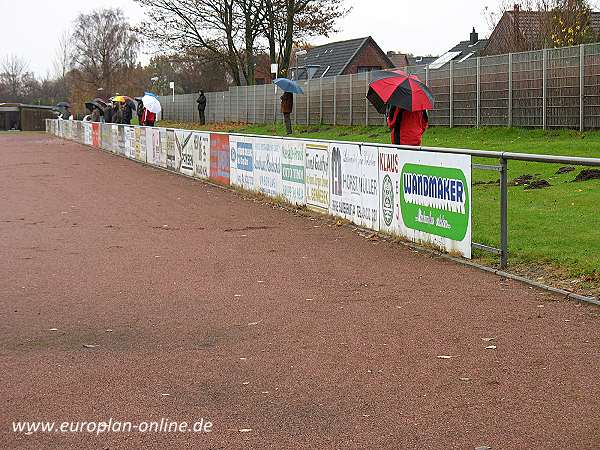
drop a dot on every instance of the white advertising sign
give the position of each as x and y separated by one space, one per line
185 152
354 184
241 157
292 171
317 176
267 166
426 197
201 146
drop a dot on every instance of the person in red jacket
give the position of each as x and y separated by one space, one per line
407 126
148 118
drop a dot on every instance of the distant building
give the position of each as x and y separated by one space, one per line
340 58
16 116
461 51
419 61
400 60
521 30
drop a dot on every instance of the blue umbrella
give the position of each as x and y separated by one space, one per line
151 94
288 85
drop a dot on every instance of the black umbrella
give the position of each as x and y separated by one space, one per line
63 105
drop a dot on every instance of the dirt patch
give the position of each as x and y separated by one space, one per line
522 180
565 169
588 174
537 184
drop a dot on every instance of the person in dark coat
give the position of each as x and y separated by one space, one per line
287 106
140 110
127 113
108 113
201 107
407 127
117 113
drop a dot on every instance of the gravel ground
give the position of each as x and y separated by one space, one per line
131 293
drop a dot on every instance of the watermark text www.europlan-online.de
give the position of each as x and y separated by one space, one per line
111 425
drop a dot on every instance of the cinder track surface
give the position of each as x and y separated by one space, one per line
254 318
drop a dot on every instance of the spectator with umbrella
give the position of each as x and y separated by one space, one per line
289 88
152 108
405 100
65 111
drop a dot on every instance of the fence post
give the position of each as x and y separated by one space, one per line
321 100
581 85
478 92
366 99
503 213
510 90
275 105
307 101
427 75
264 104
254 105
544 87
335 100
351 101
451 107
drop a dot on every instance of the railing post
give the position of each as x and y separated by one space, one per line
503 213
451 87
510 90
544 87
581 86
351 101
478 92
427 75
334 100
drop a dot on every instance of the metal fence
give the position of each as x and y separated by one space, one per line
550 88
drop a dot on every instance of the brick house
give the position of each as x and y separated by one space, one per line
341 58
521 30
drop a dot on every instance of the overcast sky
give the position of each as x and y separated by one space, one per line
31 28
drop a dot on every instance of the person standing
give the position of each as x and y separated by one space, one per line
108 113
117 113
127 112
407 127
201 107
95 116
148 118
287 106
139 110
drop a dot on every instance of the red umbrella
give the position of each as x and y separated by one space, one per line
397 88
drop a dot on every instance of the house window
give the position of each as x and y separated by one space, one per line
363 69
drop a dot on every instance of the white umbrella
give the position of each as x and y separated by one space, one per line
152 104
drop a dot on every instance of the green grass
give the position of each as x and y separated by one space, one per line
555 228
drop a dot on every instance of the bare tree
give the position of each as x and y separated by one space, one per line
63 57
227 29
234 31
293 22
104 48
12 76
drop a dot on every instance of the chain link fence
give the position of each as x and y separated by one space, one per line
550 88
